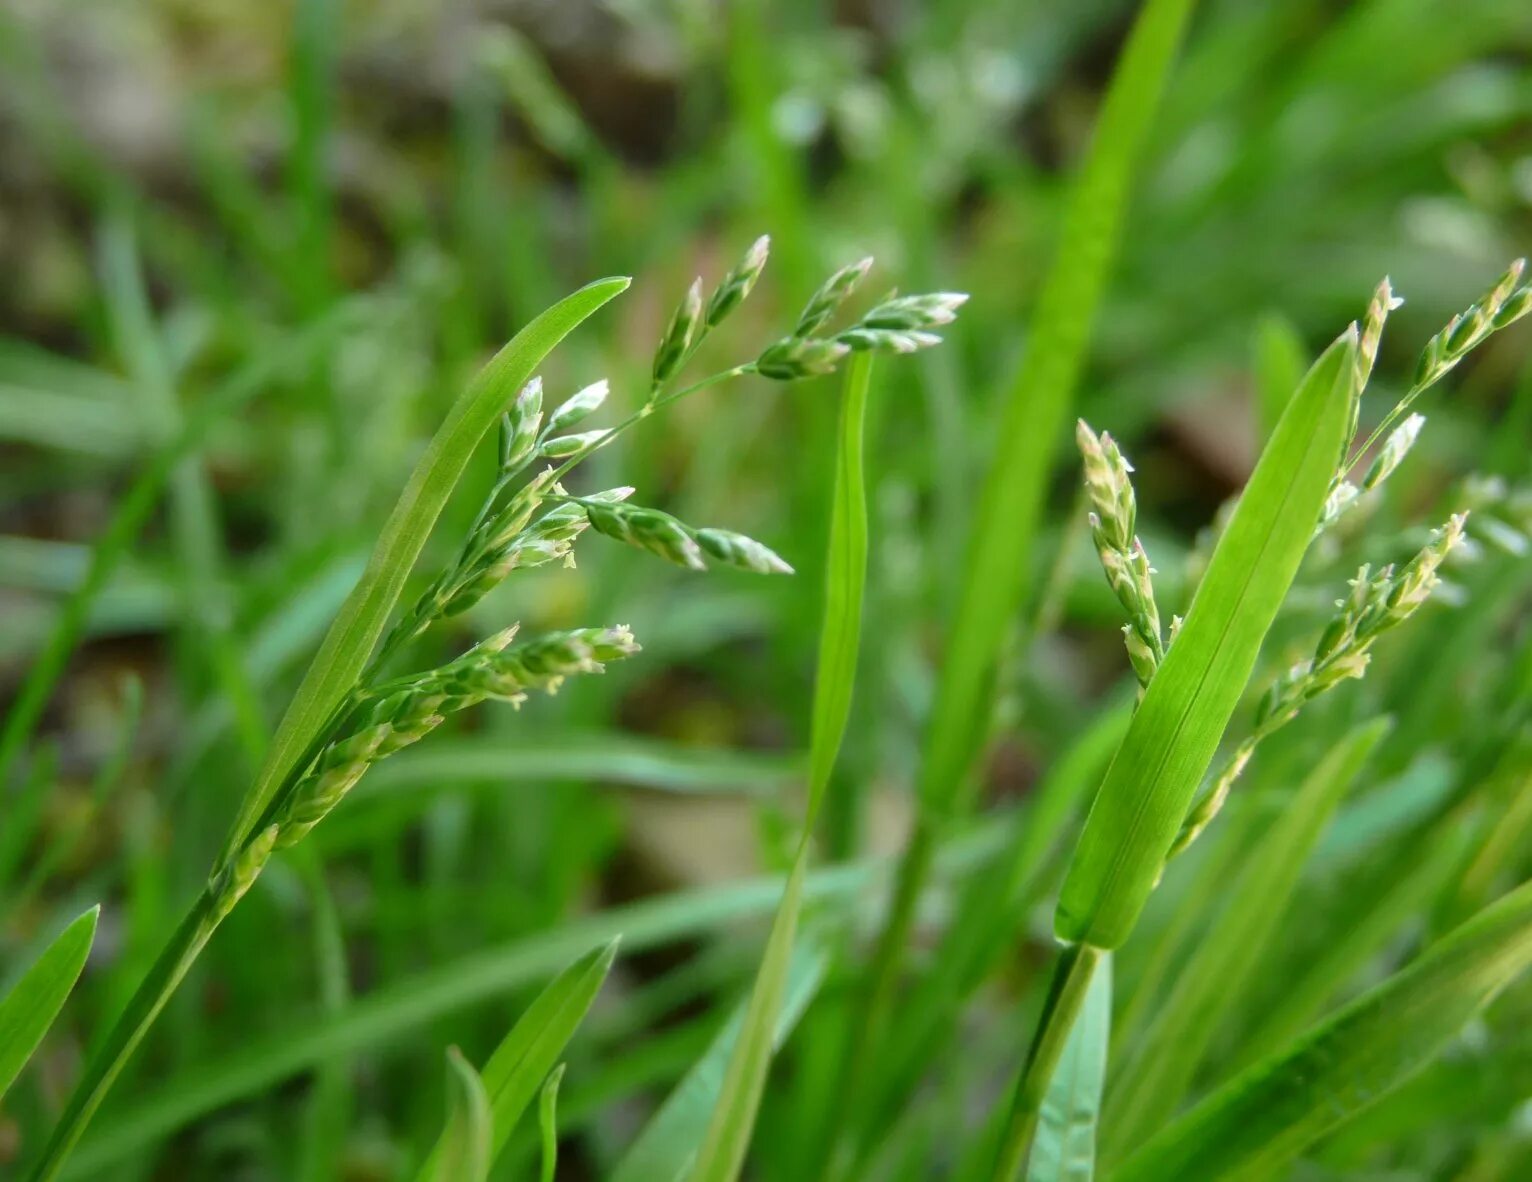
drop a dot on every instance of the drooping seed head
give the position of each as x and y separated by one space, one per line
740 551
648 529
793 358
680 336
824 303
737 283
578 406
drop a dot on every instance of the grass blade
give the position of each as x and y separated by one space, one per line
32 1004
668 1144
465 1153
548 1122
529 1052
1064 1149
728 1136
1163 1066
331 676
1265 1117
1176 731
355 632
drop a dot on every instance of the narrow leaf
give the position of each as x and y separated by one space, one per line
1265 1117
528 1053
1221 966
728 1137
548 1122
1064 1148
362 617
1177 728
31 1006
464 1155
668 1144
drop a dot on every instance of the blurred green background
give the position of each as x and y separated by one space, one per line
318 218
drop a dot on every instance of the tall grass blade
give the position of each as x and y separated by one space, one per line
1064 1149
728 1136
330 678
530 1051
1176 731
465 1155
1262 1119
35 1000
353 635
668 1144
1164 1064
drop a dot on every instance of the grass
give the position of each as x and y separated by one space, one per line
1152 810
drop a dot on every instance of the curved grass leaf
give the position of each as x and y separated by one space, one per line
1064 1148
1163 1065
548 1122
1177 728
35 1000
340 660
1036 409
728 1136
465 1141
529 1052
355 632
669 1142
1264 1118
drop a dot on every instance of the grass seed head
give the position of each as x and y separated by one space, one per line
737 283
561 446
648 529
1393 451
681 336
740 551
519 427
825 302
794 357
577 406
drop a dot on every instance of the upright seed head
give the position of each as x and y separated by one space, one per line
1107 482
737 283
681 336
824 303
519 427
1383 302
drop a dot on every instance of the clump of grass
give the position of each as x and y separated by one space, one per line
352 713
1141 816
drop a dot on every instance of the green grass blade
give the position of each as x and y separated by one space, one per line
669 1142
1064 1148
1163 1065
548 1122
1262 1119
529 1052
728 1136
382 1018
355 632
35 1000
465 1154
1036 410
1177 728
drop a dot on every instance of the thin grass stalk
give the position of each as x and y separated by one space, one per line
1005 526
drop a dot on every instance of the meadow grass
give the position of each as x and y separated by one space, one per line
1152 811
